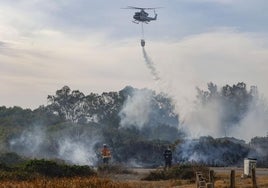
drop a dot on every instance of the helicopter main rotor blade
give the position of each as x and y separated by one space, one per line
152 8
131 7
142 8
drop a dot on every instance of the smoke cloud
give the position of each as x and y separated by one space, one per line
223 56
254 123
219 119
204 121
137 109
77 151
29 143
72 145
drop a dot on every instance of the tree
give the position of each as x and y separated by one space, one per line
65 102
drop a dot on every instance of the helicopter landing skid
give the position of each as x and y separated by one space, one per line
135 22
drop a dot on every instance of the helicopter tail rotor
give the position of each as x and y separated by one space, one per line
155 15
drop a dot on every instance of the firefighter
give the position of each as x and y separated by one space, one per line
168 157
106 154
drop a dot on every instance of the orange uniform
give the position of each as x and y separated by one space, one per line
106 154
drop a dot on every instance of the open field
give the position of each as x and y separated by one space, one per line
133 180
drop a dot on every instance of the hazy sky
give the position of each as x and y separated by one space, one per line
93 46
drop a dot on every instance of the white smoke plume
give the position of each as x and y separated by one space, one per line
69 144
210 120
254 123
136 110
204 121
78 152
150 65
77 145
29 143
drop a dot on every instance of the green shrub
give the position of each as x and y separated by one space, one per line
183 171
156 175
113 169
10 159
52 169
76 170
4 167
32 169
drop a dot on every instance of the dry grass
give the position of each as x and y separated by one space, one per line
92 182
223 181
77 182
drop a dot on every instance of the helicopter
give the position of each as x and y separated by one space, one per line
143 16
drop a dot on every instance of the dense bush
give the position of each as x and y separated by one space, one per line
53 169
10 159
115 169
184 171
31 169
